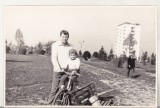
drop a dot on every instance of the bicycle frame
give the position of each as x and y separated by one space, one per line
64 92
69 83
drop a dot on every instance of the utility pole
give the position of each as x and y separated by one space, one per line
81 43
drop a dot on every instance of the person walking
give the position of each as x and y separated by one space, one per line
131 64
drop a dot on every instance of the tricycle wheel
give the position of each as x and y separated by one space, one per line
61 98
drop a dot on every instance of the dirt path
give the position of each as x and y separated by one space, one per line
131 91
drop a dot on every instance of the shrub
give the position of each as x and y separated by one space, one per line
111 55
42 52
48 47
148 59
7 49
30 52
86 55
95 54
22 50
102 54
115 61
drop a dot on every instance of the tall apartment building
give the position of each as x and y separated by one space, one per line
123 30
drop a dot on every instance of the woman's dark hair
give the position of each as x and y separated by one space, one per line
64 32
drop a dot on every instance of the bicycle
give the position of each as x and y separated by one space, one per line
62 97
82 96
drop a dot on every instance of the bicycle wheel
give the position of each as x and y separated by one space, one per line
110 102
61 98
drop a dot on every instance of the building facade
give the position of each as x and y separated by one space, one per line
122 32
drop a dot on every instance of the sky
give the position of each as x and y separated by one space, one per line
95 25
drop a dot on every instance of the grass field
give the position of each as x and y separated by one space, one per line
29 78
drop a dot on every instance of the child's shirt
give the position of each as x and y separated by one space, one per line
73 64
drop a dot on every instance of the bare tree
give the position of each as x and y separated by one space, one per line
48 46
130 42
22 49
19 38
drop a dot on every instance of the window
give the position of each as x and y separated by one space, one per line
132 29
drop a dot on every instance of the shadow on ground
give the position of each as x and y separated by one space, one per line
136 76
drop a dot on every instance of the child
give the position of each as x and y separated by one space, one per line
72 65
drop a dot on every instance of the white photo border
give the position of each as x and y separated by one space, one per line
72 3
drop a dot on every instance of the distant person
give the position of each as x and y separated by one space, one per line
120 62
59 55
153 59
131 64
72 65
139 59
144 58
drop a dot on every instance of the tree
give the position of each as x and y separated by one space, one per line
144 58
48 47
110 57
19 38
39 48
102 54
13 48
130 42
86 55
80 53
22 50
40 45
30 51
148 59
7 49
95 54
20 42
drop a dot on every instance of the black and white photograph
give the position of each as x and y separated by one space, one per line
80 55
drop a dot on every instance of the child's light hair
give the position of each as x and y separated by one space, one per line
73 51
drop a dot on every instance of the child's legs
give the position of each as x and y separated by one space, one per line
75 79
63 79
